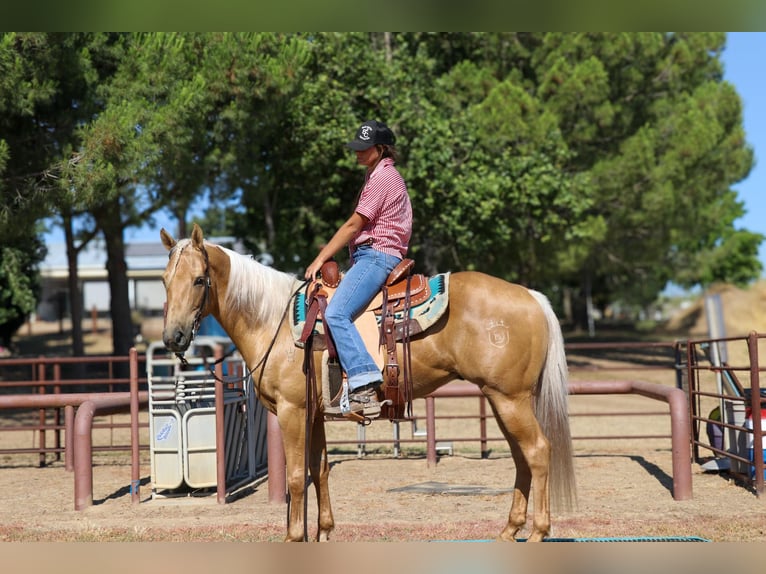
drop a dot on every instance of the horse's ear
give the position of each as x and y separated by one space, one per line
197 236
167 239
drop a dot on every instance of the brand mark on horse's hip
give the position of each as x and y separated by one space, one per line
498 333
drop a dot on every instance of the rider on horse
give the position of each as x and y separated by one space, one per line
377 234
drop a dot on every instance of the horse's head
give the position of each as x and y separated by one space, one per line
187 288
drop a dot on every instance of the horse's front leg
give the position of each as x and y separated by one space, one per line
292 423
320 471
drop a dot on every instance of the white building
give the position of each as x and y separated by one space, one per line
145 261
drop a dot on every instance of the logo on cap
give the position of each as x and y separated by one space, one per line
364 132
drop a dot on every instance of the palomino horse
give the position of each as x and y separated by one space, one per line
503 337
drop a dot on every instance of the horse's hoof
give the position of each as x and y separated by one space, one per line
508 534
536 537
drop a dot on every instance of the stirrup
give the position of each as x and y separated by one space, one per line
358 418
345 406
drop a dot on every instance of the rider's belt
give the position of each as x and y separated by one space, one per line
367 241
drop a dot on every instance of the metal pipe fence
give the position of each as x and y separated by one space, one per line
654 362
692 366
723 382
43 427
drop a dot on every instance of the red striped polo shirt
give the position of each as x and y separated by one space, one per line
385 203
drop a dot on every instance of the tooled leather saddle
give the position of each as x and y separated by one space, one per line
401 291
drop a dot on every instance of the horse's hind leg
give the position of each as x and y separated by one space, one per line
320 471
531 454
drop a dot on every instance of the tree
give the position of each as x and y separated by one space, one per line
255 77
595 164
120 154
649 117
46 93
19 285
479 189
173 114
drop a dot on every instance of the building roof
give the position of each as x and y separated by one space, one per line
144 259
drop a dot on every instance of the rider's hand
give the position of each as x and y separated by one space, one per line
313 270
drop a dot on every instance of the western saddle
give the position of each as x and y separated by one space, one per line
401 291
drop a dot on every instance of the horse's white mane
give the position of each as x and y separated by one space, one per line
256 289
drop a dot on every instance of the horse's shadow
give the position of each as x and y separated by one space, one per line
665 480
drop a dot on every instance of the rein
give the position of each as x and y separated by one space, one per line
311 397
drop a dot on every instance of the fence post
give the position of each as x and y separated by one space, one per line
135 470
57 412
69 437
41 415
483 427
430 431
220 430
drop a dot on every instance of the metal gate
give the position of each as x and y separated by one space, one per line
182 420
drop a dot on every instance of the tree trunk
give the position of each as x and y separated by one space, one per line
567 305
181 230
73 284
387 44
117 269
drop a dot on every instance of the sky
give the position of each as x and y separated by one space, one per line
741 58
741 68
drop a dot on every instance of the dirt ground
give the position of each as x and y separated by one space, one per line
624 490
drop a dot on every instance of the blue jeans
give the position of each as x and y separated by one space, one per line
359 285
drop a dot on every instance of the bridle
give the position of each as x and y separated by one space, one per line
201 309
205 295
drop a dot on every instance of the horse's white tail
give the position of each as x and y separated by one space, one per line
552 412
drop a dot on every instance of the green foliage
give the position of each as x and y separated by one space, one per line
48 86
19 284
566 161
666 190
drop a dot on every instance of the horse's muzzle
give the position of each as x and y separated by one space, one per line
176 340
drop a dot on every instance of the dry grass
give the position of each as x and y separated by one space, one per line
744 310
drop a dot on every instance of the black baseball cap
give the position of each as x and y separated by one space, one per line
372 133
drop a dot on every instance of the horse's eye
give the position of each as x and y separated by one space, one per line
199 281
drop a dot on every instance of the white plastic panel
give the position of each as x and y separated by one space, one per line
166 450
199 448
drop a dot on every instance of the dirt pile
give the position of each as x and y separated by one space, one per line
743 310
